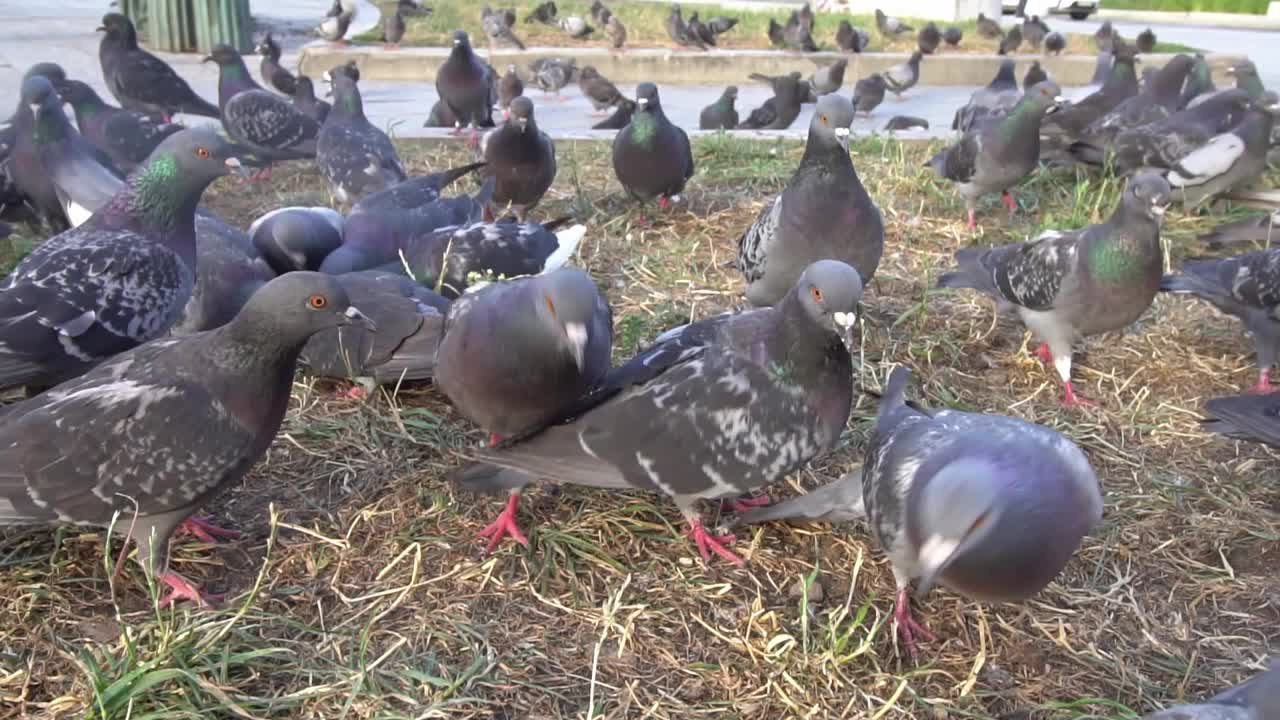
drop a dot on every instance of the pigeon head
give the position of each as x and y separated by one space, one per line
291 308
52 71
119 29
1148 194
566 302
1169 79
223 55
954 512
829 292
730 94
647 97
460 40
165 190
1042 98
38 94
522 113
588 72
1244 68
831 120
77 93
268 47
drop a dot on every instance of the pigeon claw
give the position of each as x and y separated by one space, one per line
206 531
1070 399
1007 198
908 628
1045 355
503 526
708 543
1264 386
746 502
973 220
183 589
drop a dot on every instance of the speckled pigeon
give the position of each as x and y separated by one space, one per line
120 279
297 238
745 400
157 432
552 74
409 322
1228 160
466 86
497 27
997 98
1248 287
141 81
597 88
1068 285
355 156
721 114
126 136
522 160
991 507
273 74
510 87
823 214
1255 699
1154 103
651 156
305 102
1122 83
229 270
998 151
1163 143
263 122
416 193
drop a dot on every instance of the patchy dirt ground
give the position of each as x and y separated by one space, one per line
358 590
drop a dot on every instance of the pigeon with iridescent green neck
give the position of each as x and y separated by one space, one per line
651 156
120 279
1072 284
127 136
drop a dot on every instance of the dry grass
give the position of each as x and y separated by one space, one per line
358 591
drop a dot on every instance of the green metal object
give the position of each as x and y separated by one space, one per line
225 22
169 24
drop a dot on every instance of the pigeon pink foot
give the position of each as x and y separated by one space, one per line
1070 399
503 526
1007 198
908 628
973 220
746 502
183 589
708 543
1045 355
206 531
1264 386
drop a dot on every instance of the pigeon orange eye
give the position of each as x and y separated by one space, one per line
319 302
817 294
550 305
202 152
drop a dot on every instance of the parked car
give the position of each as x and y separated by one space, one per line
1077 9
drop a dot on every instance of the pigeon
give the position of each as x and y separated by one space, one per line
557 334
1104 37
679 32
851 39
996 152
721 24
1259 697
1034 31
510 87
552 75
296 238
411 8
997 98
229 270
465 86
1247 287
1154 103
616 31
651 156
901 78
1199 82
948 496
440 116
263 122
824 213
779 111
795 36
417 194
1068 285
1163 143
929 38
452 259
305 102
1011 41
905 122
1257 229
721 114
1246 75
355 157
116 281
890 26
1054 43
408 322
334 27
544 13
1245 417
1035 75
141 81
597 88
952 36
126 136
272 73
715 408
497 27
620 118
575 27
1101 71
598 10
1121 84
349 68
393 28
523 160
804 18
777 34
868 93
697 28
828 78
166 426
989 28
1146 41
1228 160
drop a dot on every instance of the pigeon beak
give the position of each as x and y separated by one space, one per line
577 334
842 137
35 108
642 102
1158 209
236 167
935 555
352 315
845 322
523 123
100 28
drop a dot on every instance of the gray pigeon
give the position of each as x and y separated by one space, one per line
1246 75
679 31
715 409
1034 31
1255 418
1104 37
1146 42
466 87
901 78
616 31
1255 699
165 426
265 123
620 118
297 238
1121 84
651 156
305 101
1154 103
823 214
1262 229
997 98
552 74
828 78
700 30
1228 160
575 27
497 27
335 25
905 122
851 39
597 88
996 152
952 498
797 36
393 28
989 28
1246 286
522 158
929 38
355 156
890 26
1054 43
229 270
141 81
273 74
952 36
408 324
510 87
1199 82
120 279
544 13
1069 285
1011 41
868 93
126 136
1163 143
721 114
779 111
776 34
1035 75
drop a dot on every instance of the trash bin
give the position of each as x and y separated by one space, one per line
223 21
169 25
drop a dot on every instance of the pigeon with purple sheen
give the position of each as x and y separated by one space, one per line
651 155
354 155
991 507
714 409
120 279
146 438
229 270
263 122
297 238
141 81
126 136
522 160
465 86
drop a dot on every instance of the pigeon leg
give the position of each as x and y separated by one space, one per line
184 589
1045 355
1070 399
206 531
746 502
908 628
1264 385
473 140
504 525
708 543
494 439
973 219
457 129
1007 198
1062 363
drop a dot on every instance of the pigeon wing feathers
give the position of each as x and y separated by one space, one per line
1213 159
270 121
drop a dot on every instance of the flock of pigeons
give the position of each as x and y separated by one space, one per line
157 343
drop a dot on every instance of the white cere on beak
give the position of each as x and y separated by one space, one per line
936 551
577 334
353 312
642 101
233 163
842 132
845 319
1157 208
1059 99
